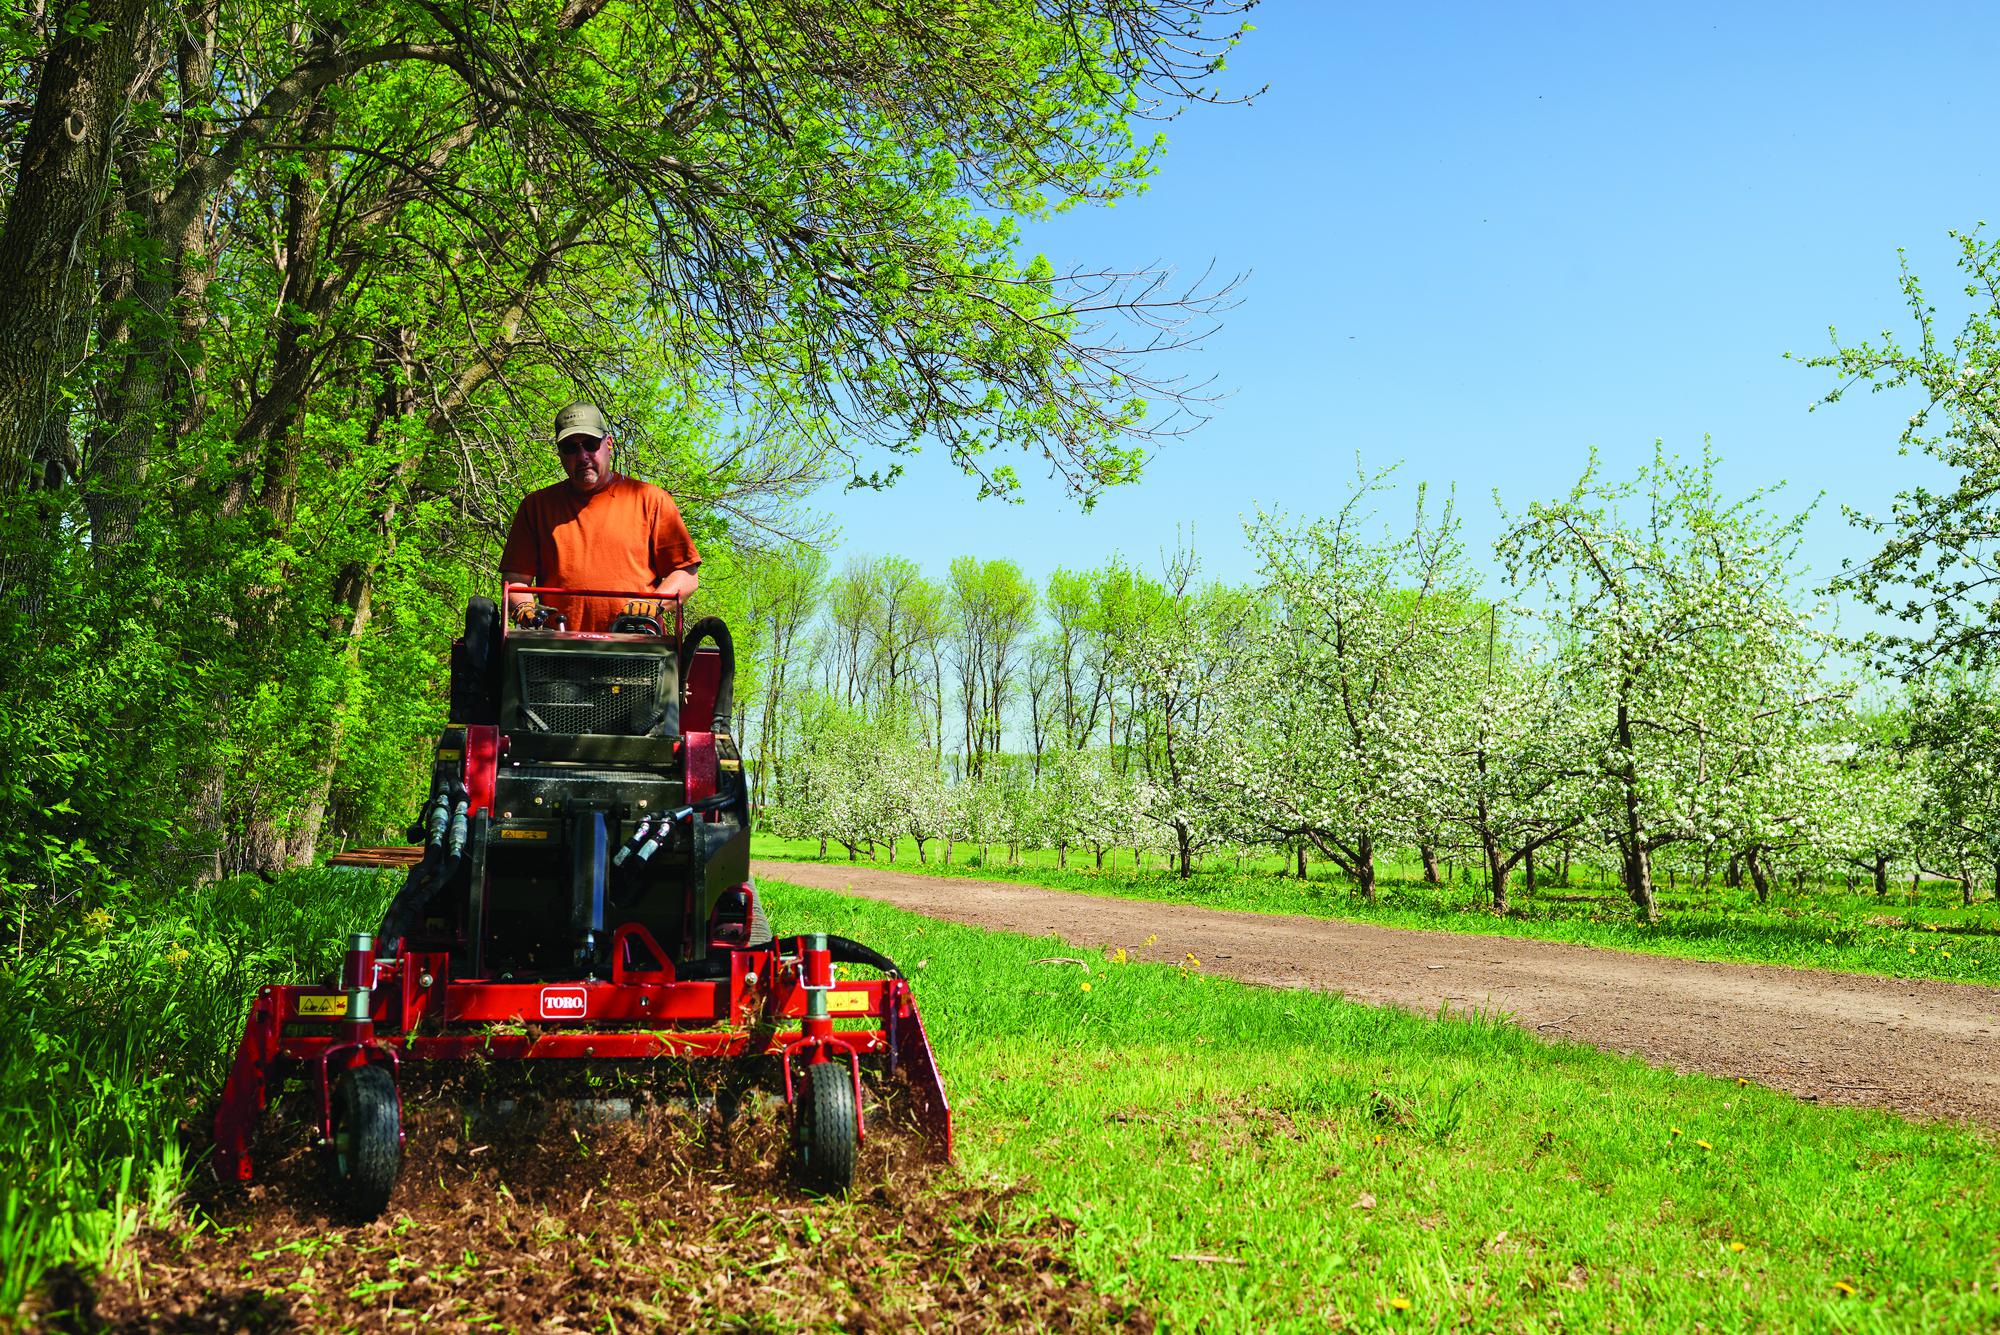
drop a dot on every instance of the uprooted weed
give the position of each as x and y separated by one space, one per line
683 1213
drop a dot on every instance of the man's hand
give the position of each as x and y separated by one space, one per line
529 614
679 584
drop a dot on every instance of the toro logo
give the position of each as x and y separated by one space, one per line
563 1003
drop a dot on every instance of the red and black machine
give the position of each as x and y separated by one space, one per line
583 895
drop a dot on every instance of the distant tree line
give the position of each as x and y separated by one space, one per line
1654 691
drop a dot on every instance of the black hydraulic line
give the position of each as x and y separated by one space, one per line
672 818
633 844
445 826
845 950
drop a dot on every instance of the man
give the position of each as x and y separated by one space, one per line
598 529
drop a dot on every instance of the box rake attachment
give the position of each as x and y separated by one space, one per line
582 896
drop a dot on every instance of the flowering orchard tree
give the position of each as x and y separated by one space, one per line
857 780
1341 685
1064 794
1955 724
1178 661
816 799
1507 774
1878 791
914 793
1938 570
1698 678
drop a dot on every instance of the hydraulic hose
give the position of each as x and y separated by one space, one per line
847 951
633 844
672 818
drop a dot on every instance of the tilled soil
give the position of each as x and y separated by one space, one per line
1921 1048
557 1220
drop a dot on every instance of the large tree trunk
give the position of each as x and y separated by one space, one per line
1758 876
1429 854
1496 873
1881 876
356 599
1364 866
1632 840
55 227
1639 879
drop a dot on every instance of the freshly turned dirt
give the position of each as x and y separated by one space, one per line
1922 1048
668 1220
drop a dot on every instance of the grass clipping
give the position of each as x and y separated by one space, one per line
553 1221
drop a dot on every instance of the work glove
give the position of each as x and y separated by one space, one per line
533 616
642 607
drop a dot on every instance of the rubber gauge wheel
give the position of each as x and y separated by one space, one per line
829 1129
367 1147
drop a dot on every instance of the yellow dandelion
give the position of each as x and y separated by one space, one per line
1400 1303
1704 1144
1118 955
1673 1131
1735 1246
1192 960
1846 1290
1944 954
1086 987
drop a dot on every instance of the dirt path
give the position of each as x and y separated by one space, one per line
1922 1048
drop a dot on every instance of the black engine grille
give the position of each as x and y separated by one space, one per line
623 694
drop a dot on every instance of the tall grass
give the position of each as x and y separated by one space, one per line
120 1027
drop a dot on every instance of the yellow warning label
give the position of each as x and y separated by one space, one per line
447 755
848 1003
524 834
322 1008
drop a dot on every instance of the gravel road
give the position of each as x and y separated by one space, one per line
1922 1048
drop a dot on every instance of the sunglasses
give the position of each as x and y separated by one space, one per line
579 444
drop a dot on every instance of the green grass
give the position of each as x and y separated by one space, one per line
1822 927
1514 1184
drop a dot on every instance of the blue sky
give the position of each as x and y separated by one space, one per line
1482 241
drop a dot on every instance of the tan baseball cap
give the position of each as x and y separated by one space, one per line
580 419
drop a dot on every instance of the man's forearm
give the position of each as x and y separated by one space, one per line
516 601
679 583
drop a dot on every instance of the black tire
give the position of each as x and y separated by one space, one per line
367 1148
475 674
716 631
829 1129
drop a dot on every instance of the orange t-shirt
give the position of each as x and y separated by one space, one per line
628 535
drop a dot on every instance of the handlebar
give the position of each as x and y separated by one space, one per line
651 595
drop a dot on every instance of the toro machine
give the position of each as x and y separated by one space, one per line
583 894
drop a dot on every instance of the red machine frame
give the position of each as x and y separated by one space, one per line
411 1009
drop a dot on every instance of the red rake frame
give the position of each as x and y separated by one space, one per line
391 1012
